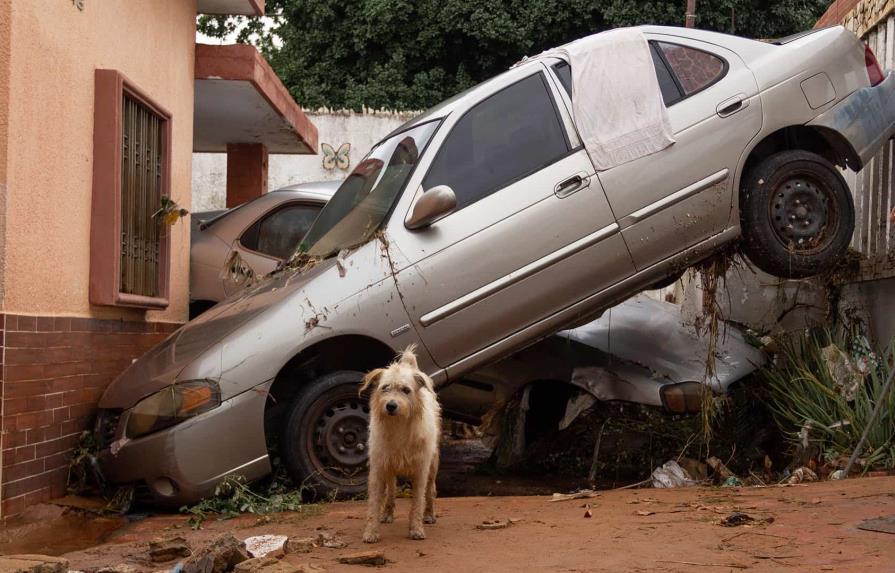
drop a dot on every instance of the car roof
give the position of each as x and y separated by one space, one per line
317 191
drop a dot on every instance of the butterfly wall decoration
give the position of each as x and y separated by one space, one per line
333 158
170 211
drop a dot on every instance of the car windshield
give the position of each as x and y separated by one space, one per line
365 198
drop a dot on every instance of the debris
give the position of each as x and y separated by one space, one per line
838 474
575 407
738 518
262 545
719 468
222 555
581 494
801 475
731 565
698 470
671 474
732 481
161 550
880 524
270 565
33 564
370 558
329 541
493 524
340 262
587 512
842 371
120 568
300 544
644 512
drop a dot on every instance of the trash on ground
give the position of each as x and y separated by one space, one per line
732 481
587 512
719 468
838 474
329 541
644 512
738 518
880 524
671 474
493 524
168 549
262 545
582 494
802 475
842 371
370 558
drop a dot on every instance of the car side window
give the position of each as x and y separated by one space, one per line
694 69
278 234
508 136
670 92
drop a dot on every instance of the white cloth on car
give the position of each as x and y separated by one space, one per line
616 100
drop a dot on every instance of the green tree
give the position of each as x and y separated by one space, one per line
403 54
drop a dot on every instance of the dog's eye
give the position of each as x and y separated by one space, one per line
384 388
406 390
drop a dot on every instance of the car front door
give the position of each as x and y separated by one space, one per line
532 232
673 199
273 238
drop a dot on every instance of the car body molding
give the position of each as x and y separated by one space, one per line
518 275
674 198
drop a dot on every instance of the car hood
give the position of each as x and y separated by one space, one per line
195 340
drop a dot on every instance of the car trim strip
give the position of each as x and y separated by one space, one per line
518 275
674 198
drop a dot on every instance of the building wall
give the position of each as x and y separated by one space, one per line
361 130
58 351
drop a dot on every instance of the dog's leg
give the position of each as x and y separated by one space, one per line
375 489
431 492
420 481
388 507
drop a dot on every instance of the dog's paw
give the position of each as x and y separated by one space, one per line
386 518
371 537
417 533
428 519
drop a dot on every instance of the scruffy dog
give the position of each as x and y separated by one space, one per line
405 427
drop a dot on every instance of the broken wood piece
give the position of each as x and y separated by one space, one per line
493 524
369 558
583 494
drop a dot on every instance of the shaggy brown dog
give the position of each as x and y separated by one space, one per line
405 427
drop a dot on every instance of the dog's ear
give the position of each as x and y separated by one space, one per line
408 356
372 377
423 381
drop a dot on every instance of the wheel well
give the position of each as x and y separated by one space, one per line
829 144
350 352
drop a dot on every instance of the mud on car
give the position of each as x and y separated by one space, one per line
482 227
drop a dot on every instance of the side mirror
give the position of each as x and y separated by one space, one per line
432 205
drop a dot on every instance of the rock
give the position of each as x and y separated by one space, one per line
369 558
270 565
802 475
222 555
264 545
32 564
838 474
161 550
300 544
120 568
329 541
489 524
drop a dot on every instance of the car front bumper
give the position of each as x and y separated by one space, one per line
184 463
866 118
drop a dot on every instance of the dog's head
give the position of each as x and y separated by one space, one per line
397 391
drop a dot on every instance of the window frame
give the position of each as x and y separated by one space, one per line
105 220
570 150
284 205
725 68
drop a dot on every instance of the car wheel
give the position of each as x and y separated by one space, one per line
796 213
324 442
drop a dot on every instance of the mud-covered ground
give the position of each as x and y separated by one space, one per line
814 528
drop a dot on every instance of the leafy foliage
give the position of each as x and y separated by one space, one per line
400 54
233 497
814 406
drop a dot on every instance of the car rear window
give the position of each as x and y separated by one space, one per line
694 69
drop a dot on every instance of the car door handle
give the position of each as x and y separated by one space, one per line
574 183
732 105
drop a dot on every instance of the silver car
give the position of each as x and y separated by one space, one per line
262 232
481 227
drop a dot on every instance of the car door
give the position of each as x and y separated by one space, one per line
670 200
532 232
273 237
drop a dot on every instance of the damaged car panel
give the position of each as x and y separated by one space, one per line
525 238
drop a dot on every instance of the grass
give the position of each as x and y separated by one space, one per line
827 402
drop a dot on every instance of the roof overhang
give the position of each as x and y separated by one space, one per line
234 7
239 99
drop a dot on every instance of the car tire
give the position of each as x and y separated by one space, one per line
796 214
324 440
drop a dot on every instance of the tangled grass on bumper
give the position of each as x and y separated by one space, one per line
233 497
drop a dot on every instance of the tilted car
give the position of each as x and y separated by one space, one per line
262 232
481 227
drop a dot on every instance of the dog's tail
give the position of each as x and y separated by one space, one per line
408 356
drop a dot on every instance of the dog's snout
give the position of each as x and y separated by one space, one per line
391 406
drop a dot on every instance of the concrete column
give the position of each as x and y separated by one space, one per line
246 172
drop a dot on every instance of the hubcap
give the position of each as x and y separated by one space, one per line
800 210
340 440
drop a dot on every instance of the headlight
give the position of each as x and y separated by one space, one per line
171 406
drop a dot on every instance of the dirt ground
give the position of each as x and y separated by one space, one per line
814 528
